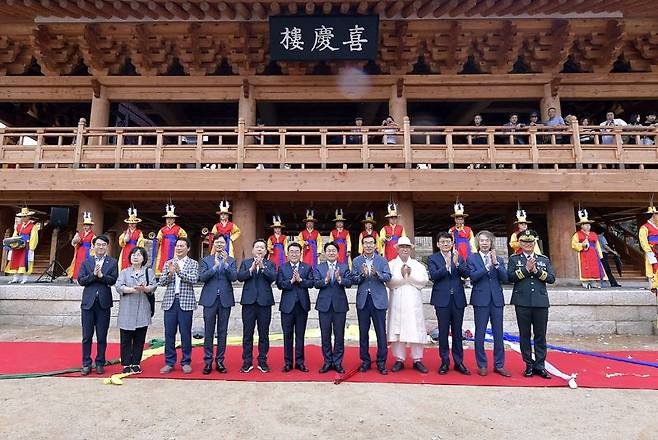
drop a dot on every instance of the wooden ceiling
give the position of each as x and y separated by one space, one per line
137 10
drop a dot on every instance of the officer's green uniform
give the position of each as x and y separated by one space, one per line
530 299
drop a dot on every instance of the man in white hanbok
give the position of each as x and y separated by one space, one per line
406 321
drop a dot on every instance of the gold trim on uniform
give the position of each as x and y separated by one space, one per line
543 275
519 274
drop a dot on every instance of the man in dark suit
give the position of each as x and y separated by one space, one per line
257 274
530 273
97 274
370 272
332 278
447 271
487 271
217 272
294 278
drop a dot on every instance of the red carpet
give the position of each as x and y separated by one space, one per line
38 357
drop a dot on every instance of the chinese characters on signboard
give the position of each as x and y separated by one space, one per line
324 38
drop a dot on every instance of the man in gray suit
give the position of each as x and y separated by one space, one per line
217 271
370 271
179 302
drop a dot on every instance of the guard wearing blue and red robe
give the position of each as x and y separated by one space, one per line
166 240
277 243
130 238
82 242
224 227
311 241
391 233
21 260
341 237
462 235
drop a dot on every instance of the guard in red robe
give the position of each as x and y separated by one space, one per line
391 233
166 240
82 242
26 235
311 241
224 227
277 243
369 231
462 235
130 238
586 243
341 237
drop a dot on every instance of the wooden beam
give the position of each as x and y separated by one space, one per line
484 5
309 7
362 8
515 8
464 6
275 8
394 9
327 7
210 10
176 10
117 8
72 6
380 7
244 11
537 6
345 7
445 7
160 10
54 6
427 8
193 10
138 10
292 7
226 10
259 11
411 8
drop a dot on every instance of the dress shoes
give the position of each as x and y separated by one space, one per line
364 367
339 369
286 368
263 367
324 368
221 368
207 369
541 372
382 370
482 371
528 371
100 369
418 365
397 366
443 369
462 369
503 372
84 371
302 368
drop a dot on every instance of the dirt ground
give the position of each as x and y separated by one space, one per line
66 408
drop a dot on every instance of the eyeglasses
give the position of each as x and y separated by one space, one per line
101 244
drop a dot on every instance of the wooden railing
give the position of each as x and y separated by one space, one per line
571 146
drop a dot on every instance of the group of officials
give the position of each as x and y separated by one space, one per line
389 297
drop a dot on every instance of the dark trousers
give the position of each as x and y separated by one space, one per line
532 319
98 320
378 318
294 324
450 320
608 271
132 345
482 317
215 315
332 322
252 315
176 319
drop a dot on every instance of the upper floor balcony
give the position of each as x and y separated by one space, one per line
408 146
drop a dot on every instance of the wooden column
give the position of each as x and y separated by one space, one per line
406 211
397 104
551 99
100 110
247 105
561 226
7 217
244 215
92 202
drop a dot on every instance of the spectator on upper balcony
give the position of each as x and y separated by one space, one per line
478 139
533 121
554 120
610 121
634 121
390 129
650 122
586 134
512 126
358 128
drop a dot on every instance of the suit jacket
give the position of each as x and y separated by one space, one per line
297 291
375 284
447 284
257 287
189 275
332 293
530 288
217 281
487 286
92 284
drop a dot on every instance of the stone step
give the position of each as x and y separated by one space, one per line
573 311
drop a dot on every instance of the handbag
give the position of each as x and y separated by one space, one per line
150 296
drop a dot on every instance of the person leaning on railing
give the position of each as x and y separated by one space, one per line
390 129
586 134
136 286
478 139
650 123
512 126
609 123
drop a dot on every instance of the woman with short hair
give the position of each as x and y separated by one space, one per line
136 286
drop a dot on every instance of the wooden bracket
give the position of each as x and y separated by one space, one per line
400 87
96 87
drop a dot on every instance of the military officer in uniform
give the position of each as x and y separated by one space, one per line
530 273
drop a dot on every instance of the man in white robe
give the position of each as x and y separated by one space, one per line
406 321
